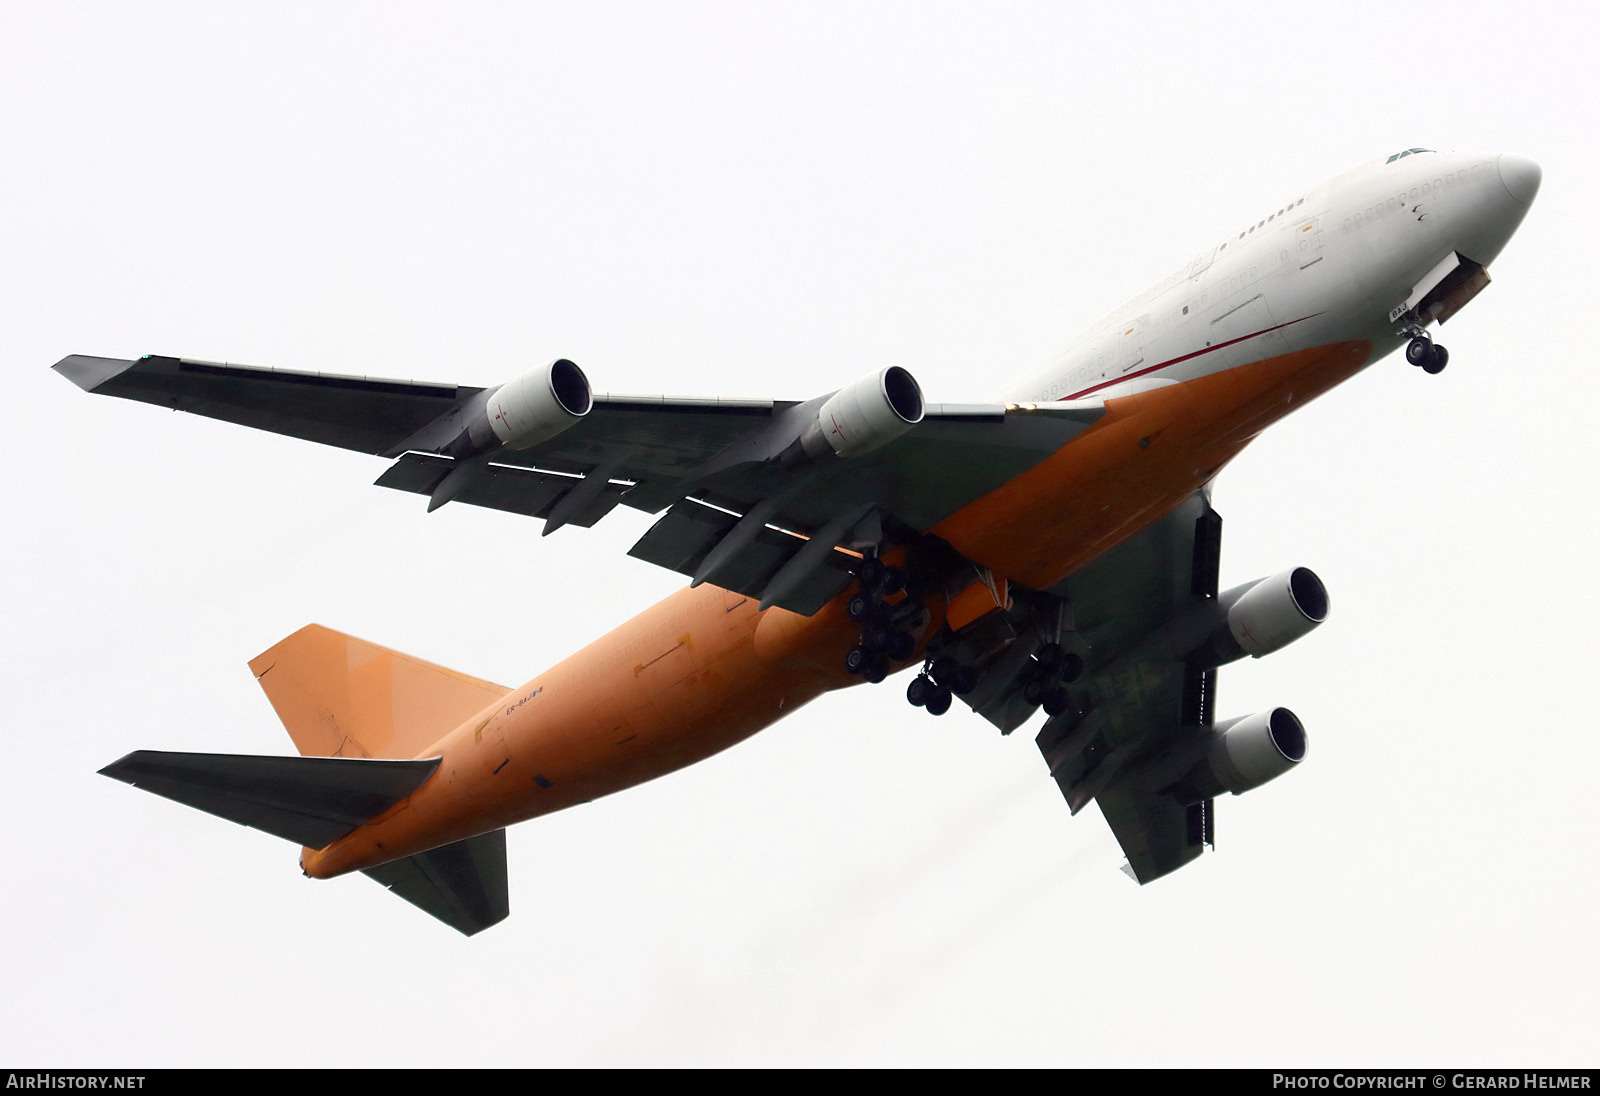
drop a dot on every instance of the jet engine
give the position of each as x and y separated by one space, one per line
539 404
533 408
866 415
1245 754
1264 617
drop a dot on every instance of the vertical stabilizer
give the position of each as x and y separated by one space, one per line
339 696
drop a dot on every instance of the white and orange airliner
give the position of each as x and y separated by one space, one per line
1055 550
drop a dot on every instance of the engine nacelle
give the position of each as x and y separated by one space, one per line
1277 611
868 414
1264 617
533 408
1245 754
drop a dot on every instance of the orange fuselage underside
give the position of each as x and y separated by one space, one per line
705 669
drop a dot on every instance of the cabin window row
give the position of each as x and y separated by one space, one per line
1270 218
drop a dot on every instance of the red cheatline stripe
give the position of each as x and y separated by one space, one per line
1186 357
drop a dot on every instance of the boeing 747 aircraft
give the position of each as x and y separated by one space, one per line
1053 549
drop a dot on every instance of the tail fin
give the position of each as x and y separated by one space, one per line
339 696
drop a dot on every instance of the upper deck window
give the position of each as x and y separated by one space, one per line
1407 152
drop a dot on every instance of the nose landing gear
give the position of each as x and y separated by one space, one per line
1423 351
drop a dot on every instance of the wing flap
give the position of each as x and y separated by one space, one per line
464 884
1158 835
312 801
532 492
682 538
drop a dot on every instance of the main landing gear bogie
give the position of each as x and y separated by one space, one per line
883 636
924 692
941 680
866 662
1053 670
889 637
880 579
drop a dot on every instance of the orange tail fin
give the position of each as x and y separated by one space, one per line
339 696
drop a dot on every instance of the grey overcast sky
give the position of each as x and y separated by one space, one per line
772 199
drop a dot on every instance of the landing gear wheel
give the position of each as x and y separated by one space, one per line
939 701
1437 361
880 637
1056 701
891 580
861 607
857 659
902 645
1037 688
1071 666
920 689
871 570
1420 351
1051 657
944 669
876 670
966 681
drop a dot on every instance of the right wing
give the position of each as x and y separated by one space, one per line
727 473
362 413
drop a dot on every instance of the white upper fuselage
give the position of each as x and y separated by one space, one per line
1327 266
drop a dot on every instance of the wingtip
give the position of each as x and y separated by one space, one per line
88 372
119 769
475 929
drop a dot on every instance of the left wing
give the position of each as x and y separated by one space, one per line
745 485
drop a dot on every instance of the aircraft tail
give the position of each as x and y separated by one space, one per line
360 715
339 696
314 801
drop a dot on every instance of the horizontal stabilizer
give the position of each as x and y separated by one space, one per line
463 885
312 801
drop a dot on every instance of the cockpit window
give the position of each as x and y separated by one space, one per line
1407 152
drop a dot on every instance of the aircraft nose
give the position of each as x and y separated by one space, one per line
1521 177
